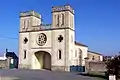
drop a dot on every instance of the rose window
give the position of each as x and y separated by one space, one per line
41 40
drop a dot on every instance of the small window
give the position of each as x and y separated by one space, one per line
58 20
93 58
59 54
24 54
75 53
28 23
24 24
25 40
62 19
60 38
99 58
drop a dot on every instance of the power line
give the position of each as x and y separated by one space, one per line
8 37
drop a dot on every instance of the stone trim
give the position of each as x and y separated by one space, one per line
46 30
42 48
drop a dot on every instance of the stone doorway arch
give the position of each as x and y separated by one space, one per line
42 60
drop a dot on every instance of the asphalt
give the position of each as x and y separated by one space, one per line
17 74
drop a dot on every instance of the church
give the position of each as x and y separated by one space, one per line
50 46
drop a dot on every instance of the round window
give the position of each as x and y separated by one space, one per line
41 39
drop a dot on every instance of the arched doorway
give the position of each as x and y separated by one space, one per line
80 57
42 60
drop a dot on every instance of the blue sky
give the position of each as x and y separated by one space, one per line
97 22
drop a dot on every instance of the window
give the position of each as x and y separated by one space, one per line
28 23
24 22
24 54
80 57
93 58
60 38
59 54
41 39
25 40
62 19
75 53
58 20
99 58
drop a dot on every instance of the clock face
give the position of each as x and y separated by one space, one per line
41 39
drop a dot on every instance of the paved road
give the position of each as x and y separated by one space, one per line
15 74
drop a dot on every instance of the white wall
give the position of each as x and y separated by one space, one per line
84 54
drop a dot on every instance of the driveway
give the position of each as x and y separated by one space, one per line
17 74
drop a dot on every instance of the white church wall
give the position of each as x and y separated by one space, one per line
34 38
84 54
71 47
23 47
56 45
36 21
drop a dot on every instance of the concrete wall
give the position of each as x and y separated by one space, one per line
83 54
96 66
4 63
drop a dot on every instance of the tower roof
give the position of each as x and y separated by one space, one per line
30 13
63 8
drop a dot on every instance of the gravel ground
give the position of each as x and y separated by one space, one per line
17 74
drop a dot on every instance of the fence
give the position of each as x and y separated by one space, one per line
77 68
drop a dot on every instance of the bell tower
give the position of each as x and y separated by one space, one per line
64 31
63 16
29 20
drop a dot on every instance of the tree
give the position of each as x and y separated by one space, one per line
113 66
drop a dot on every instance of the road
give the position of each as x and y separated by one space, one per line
17 74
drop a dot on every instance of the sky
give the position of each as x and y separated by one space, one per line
97 22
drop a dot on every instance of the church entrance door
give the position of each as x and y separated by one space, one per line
43 60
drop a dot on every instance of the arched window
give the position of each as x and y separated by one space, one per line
62 19
28 23
93 58
24 24
80 57
25 54
59 54
58 20
75 53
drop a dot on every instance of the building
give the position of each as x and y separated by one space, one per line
108 58
9 60
12 59
94 56
50 46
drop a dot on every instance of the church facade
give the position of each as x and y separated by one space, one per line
50 46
